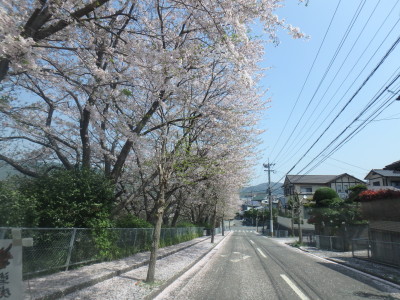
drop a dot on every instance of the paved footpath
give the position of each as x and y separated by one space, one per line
121 279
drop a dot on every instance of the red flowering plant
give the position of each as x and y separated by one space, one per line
380 205
372 195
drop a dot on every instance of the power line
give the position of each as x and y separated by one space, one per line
299 137
350 86
345 140
349 27
308 75
350 100
376 113
343 162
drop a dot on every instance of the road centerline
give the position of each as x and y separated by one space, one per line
294 288
251 242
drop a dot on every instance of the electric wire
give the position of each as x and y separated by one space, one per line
349 101
338 160
344 38
375 114
364 123
301 137
308 75
350 85
358 128
387 104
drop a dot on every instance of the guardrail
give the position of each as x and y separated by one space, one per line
56 249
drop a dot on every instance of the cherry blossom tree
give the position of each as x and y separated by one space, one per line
155 88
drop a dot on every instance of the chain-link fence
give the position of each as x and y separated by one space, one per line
361 248
379 251
282 233
60 249
332 243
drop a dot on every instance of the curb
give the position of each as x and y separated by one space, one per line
163 286
364 271
355 268
71 289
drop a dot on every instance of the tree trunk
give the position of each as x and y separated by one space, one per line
300 219
158 216
177 213
292 221
156 241
213 223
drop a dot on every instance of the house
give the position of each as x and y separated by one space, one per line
306 185
386 178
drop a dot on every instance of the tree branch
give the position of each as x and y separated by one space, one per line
18 167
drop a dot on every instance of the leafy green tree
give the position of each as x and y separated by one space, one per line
72 198
354 191
327 210
351 210
16 209
326 197
131 221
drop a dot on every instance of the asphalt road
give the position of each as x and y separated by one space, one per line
250 266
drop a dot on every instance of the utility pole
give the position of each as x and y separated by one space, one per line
268 166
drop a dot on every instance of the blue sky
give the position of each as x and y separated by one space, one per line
374 30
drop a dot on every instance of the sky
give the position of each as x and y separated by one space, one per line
333 107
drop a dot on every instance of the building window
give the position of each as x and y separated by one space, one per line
376 183
306 189
395 183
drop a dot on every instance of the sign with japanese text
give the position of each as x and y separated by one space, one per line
10 270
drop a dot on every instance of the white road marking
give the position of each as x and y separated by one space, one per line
262 253
294 288
240 259
251 242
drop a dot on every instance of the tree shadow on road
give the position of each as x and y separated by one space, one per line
354 274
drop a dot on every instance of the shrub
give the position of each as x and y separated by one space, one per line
16 209
71 198
185 224
372 195
131 221
323 194
354 192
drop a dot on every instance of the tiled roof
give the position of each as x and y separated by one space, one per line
393 166
317 179
384 173
252 203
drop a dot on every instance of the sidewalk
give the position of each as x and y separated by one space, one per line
61 284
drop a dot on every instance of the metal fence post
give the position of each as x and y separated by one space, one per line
71 246
134 240
369 247
330 243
